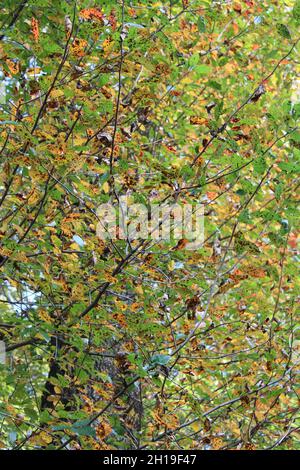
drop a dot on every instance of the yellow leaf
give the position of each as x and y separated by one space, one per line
45 316
139 290
106 187
197 120
45 437
57 93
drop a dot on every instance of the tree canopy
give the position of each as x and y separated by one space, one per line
146 344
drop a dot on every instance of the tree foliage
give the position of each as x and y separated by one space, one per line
142 344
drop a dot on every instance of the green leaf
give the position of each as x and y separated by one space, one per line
245 217
194 59
82 428
160 359
296 11
283 30
202 70
260 165
201 24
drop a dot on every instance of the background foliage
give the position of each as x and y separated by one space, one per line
124 345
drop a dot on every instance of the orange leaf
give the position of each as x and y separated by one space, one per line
293 240
35 29
91 14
